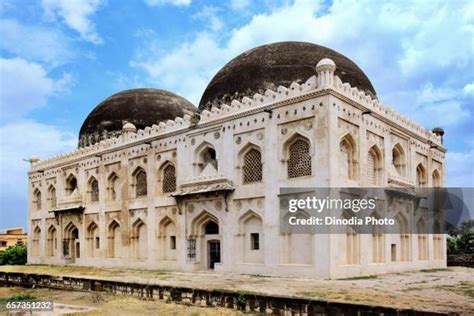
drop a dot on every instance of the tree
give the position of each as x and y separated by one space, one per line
14 255
461 240
466 237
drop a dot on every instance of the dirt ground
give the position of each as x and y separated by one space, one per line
446 290
88 304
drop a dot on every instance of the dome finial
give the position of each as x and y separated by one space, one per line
439 132
325 70
33 159
129 128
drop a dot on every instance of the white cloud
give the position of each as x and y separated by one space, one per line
195 62
209 15
398 46
26 86
37 43
460 169
417 56
76 14
154 3
468 89
239 4
19 140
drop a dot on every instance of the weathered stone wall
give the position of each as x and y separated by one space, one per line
118 227
249 302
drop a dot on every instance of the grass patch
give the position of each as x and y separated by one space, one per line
364 277
242 294
463 288
17 298
314 294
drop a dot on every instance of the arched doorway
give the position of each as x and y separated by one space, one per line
211 229
205 242
71 243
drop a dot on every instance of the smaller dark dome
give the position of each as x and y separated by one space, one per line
438 131
141 107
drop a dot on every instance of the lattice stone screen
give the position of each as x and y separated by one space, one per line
141 185
252 168
191 249
299 162
371 168
169 179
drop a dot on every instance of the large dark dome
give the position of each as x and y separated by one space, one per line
272 65
141 107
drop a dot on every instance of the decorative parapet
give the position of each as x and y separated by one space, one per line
377 107
127 137
324 79
269 97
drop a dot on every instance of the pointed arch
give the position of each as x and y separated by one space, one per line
250 157
71 241
71 184
421 226
436 178
93 239
114 236
422 239
297 151
167 176
93 189
403 238
113 186
374 166
251 237
140 182
352 241
438 249
399 159
37 199
162 223
421 180
296 248
249 215
52 197
206 157
52 241
199 223
139 239
36 241
378 241
167 239
348 157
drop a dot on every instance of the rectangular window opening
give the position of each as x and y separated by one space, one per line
172 242
255 241
394 252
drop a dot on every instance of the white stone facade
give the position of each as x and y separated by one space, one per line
179 195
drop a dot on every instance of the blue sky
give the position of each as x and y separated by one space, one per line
60 58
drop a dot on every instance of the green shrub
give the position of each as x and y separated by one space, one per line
13 255
461 240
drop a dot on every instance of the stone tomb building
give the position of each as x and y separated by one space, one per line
156 183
